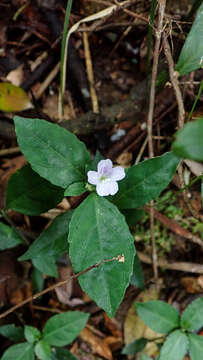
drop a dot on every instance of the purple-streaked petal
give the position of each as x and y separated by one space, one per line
118 173
92 177
104 167
105 188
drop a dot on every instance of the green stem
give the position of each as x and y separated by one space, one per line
191 183
64 57
195 102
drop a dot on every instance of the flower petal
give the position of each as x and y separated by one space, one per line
92 177
102 189
105 188
118 173
113 188
104 167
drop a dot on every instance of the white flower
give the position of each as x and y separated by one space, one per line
106 177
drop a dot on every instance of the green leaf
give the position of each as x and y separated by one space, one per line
23 351
53 152
63 328
146 357
37 280
134 347
32 334
98 232
189 142
158 315
50 245
98 157
145 181
46 265
8 237
75 189
202 191
190 58
137 278
12 332
175 346
43 350
195 346
132 216
192 317
62 354
30 194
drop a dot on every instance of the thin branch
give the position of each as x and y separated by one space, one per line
181 113
133 14
90 73
9 151
179 266
175 227
159 30
174 81
119 258
162 4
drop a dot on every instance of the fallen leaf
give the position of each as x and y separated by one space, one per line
16 76
13 98
51 108
98 345
125 159
64 292
115 343
191 284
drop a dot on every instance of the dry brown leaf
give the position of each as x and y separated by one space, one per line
192 284
16 76
115 343
113 326
200 281
12 165
21 294
51 108
64 292
98 345
11 272
125 159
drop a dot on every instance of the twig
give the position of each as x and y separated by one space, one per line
90 74
124 34
133 14
142 149
162 4
174 81
175 227
9 151
61 283
179 266
100 18
47 81
43 308
181 113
